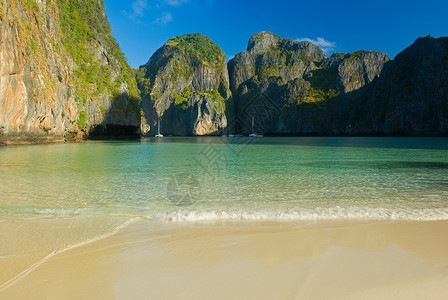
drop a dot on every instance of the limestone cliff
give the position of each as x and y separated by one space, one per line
284 86
410 97
185 87
63 76
37 101
105 87
61 72
356 69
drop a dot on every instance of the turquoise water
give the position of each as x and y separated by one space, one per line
191 179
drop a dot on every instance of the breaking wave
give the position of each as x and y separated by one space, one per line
335 213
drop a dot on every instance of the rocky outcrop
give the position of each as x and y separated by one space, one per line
185 87
62 75
288 87
105 87
358 69
37 102
410 97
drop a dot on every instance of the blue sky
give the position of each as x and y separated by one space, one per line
143 26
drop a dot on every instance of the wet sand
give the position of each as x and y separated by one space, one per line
139 259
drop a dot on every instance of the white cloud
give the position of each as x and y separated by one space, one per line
138 9
166 18
326 45
176 2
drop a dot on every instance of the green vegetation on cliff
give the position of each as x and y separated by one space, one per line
84 25
313 95
184 54
218 101
82 120
201 49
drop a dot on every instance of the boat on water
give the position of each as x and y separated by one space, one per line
253 134
158 135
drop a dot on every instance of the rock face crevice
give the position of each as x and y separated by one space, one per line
185 87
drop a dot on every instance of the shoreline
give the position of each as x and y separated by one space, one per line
30 139
144 258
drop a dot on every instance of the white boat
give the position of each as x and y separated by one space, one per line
158 135
224 133
253 134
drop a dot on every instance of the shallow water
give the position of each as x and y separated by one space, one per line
213 178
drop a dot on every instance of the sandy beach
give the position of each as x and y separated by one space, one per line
141 259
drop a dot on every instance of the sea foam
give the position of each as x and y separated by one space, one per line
334 213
